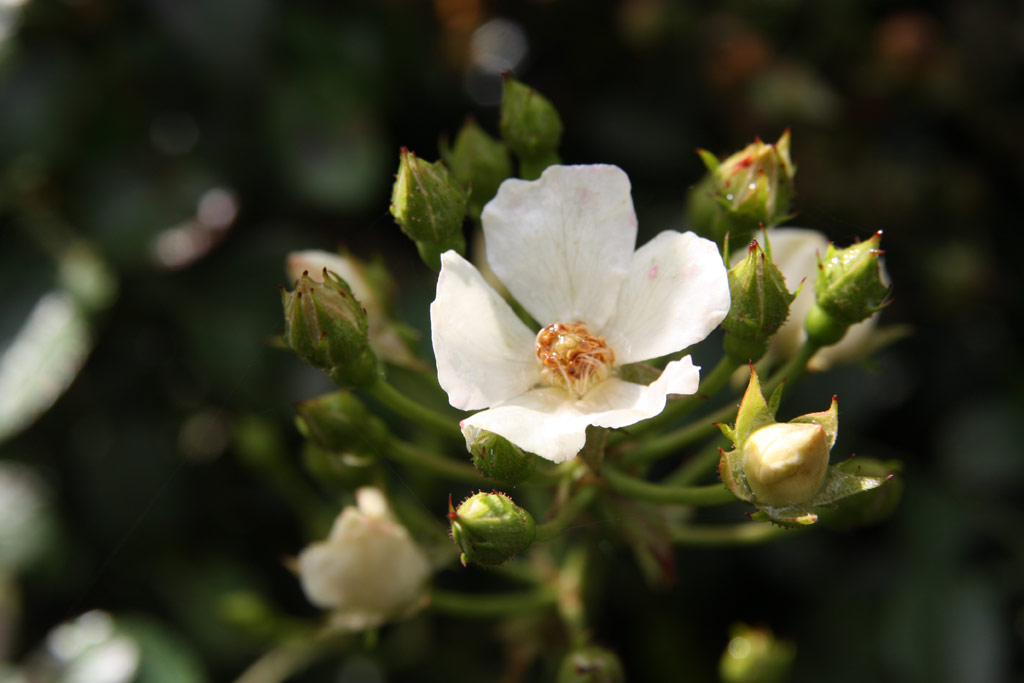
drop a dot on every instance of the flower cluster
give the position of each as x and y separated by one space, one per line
562 336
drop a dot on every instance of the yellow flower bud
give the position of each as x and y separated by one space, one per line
785 463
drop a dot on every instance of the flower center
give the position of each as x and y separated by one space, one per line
571 358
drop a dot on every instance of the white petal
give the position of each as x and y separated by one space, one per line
484 353
551 424
676 293
562 244
615 403
543 421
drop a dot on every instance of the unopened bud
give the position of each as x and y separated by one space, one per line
372 285
530 126
339 422
430 206
591 665
326 326
760 305
498 458
785 463
782 468
754 655
479 162
849 286
748 190
490 529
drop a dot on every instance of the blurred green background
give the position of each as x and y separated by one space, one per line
158 159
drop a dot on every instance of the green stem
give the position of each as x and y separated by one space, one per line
655 448
569 512
414 456
747 533
709 386
415 412
491 605
794 369
713 494
694 469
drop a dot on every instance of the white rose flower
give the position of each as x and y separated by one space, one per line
368 570
381 332
564 247
795 253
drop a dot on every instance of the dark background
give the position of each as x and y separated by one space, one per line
117 118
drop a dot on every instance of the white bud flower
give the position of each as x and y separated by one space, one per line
368 570
785 463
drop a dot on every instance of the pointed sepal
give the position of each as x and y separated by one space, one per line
754 412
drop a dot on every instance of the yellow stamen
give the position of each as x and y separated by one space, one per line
571 358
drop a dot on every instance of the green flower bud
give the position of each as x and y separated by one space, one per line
760 304
753 655
498 458
849 286
591 665
430 206
339 422
530 126
478 161
748 190
326 326
490 529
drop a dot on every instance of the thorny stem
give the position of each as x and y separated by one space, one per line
415 412
713 494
